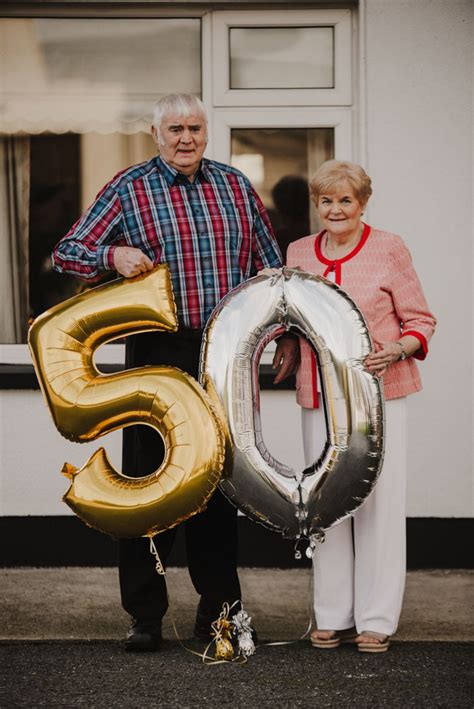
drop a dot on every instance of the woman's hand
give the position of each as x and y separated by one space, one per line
129 261
378 362
390 352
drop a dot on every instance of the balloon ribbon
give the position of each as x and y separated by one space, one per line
221 627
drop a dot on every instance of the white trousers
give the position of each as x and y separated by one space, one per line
359 571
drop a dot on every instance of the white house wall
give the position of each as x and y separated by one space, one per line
417 147
33 452
419 154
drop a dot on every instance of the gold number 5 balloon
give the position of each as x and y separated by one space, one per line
86 404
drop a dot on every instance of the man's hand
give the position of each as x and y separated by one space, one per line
287 357
129 261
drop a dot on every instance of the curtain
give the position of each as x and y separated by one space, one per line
14 223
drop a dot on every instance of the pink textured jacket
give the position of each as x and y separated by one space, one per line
379 275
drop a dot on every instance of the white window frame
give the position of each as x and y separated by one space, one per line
340 95
225 119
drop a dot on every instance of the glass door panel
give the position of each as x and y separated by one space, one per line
279 162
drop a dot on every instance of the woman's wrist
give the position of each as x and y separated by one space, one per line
408 344
403 353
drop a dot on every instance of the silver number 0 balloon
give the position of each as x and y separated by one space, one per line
296 503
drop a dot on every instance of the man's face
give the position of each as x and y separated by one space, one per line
182 141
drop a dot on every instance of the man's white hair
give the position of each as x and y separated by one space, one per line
183 105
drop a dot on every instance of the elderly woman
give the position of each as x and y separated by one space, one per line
360 569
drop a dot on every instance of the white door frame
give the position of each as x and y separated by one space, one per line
224 119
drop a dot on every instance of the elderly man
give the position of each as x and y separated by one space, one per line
207 223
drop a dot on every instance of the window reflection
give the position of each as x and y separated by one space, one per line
290 197
281 57
279 163
66 173
54 206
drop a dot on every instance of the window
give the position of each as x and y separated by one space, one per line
281 57
77 102
297 57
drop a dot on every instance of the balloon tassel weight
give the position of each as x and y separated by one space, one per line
242 623
222 631
239 626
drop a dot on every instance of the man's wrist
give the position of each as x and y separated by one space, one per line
105 258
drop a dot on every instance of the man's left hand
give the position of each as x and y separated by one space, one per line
287 358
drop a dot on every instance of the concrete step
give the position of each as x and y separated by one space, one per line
83 603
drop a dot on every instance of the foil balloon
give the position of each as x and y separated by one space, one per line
86 404
296 503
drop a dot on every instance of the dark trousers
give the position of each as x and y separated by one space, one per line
211 536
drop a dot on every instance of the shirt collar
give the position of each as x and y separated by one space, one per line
172 176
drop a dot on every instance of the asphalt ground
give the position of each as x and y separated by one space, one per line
99 674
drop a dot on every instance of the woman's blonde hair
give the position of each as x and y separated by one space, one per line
328 178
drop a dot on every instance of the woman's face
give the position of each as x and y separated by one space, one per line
340 211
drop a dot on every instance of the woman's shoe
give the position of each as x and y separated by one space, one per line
374 642
336 638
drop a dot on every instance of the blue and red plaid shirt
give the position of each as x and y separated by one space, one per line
213 233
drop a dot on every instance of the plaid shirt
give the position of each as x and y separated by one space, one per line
213 233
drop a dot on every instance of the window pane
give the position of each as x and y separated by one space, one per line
279 162
54 206
77 75
281 57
